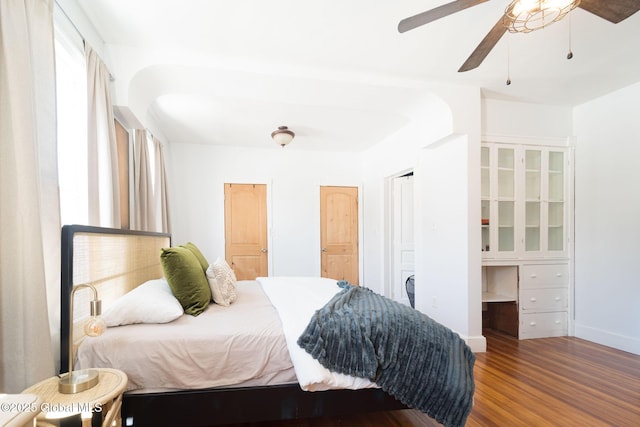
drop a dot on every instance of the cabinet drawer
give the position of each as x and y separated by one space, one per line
544 276
541 325
537 300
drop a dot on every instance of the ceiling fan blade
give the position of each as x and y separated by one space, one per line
611 10
485 46
439 12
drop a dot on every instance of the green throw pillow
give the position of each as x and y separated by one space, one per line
186 279
201 259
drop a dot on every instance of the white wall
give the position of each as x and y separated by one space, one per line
459 308
394 156
607 225
508 118
443 239
197 174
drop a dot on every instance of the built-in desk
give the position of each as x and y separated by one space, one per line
500 298
526 299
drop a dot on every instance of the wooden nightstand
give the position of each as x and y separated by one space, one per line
19 410
103 400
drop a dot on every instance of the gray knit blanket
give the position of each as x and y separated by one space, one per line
420 362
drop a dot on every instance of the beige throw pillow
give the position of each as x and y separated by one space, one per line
222 281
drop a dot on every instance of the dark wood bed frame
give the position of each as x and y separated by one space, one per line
215 406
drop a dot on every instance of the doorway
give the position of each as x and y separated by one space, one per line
401 252
245 229
339 233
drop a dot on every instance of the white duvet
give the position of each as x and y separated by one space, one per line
296 299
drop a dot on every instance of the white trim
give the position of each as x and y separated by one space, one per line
388 238
478 344
610 339
270 267
529 140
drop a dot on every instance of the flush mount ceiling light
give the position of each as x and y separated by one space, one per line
524 16
282 136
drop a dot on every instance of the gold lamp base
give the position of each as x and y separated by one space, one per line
77 381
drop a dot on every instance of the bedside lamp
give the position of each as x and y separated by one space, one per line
77 381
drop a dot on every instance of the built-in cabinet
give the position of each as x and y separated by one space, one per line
524 193
526 199
543 299
527 299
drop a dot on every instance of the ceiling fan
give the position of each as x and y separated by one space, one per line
522 16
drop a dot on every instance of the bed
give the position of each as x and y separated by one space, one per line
266 386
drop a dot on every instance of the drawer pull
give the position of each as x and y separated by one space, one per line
557 298
534 275
532 323
533 299
557 322
558 274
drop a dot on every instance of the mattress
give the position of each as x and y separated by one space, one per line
239 345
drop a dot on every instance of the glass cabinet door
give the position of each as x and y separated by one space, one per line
524 200
556 204
485 197
506 199
532 195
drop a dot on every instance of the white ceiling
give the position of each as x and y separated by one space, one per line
338 73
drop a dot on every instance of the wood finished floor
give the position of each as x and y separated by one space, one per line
562 381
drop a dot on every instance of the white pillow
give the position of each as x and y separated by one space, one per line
151 302
222 281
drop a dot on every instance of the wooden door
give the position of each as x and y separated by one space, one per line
245 219
339 233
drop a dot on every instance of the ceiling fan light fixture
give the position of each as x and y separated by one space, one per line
282 136
524 16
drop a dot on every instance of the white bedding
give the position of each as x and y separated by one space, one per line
239 345
296 299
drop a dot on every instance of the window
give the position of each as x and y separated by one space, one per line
71 94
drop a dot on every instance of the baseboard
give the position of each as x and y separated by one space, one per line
478 344
610 339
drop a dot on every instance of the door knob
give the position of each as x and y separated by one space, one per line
263 250
324 249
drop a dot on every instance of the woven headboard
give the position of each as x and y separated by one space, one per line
114 261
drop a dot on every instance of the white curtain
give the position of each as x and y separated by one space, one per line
150 198
143 201
104 190
29 205
161 195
